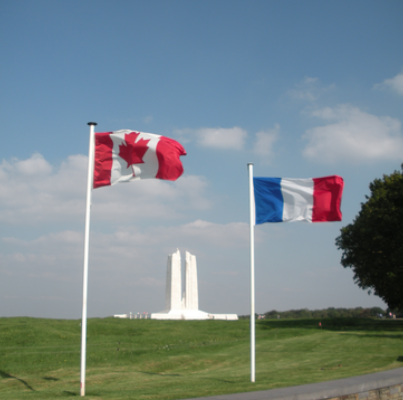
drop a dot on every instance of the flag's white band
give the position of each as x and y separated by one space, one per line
298 199
147 170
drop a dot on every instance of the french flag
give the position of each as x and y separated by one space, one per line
309 200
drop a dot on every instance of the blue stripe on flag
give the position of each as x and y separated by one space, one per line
269 201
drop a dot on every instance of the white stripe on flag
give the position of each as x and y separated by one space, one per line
149 169
298 199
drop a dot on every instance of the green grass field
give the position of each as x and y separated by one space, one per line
147 359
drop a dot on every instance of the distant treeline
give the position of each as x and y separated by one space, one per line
330 312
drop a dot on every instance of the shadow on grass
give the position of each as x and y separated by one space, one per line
157 373
8 376
160 374
374 335
69 393
49 378
334 324
219 380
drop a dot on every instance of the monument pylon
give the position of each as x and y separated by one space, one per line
173 293
191 292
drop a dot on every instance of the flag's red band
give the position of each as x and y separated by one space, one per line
169 166
327 193
103 159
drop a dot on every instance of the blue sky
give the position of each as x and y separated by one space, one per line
301 89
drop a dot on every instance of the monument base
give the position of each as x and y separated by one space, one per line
192 315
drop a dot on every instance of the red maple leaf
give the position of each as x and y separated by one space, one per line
131 151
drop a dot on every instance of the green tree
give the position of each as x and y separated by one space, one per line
373 244
375 311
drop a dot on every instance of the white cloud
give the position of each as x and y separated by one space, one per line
127 248
354 136
309 89
129 256
218 138
153 199
233 235
51 255
36 166
395 84
265 140
32 191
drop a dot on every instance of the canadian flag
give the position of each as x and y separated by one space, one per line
125 155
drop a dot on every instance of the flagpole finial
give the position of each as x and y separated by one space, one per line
92 123
250 163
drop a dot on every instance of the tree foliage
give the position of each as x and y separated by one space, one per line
372 244
330 312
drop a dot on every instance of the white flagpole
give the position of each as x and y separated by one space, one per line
86 246
252 272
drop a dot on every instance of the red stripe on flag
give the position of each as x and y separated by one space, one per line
327 193
169 165
103 159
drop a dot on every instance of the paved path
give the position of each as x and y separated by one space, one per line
322 390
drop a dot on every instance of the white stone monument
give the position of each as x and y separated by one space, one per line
186 306
191 294
173 294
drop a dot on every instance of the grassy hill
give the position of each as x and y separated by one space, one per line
147 359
